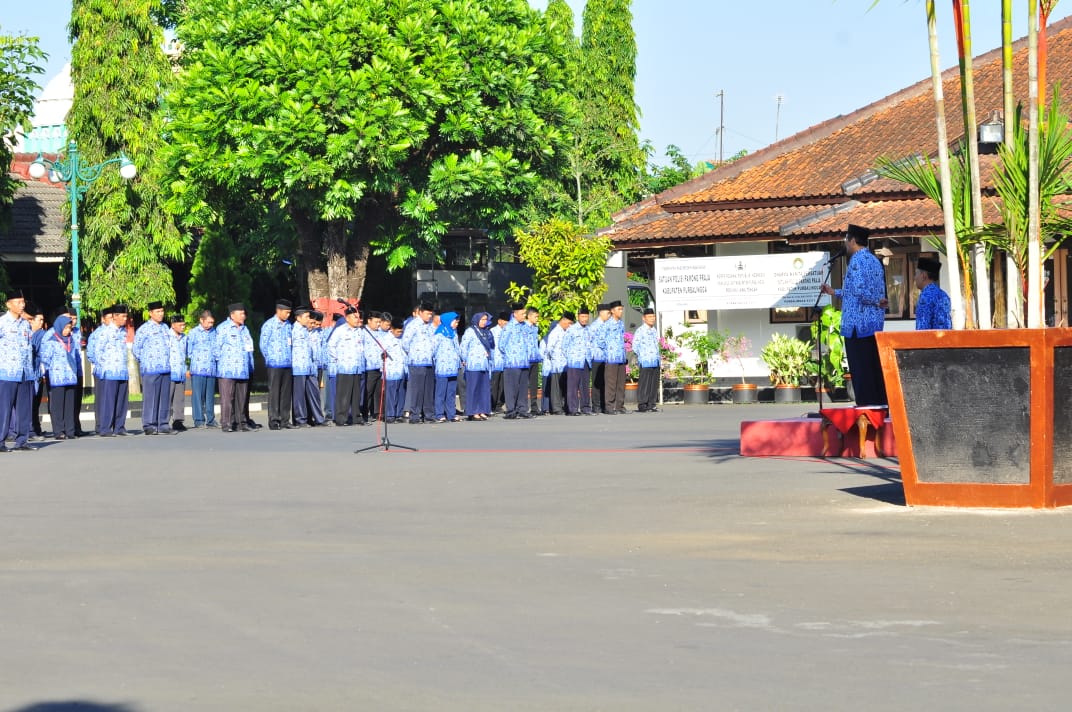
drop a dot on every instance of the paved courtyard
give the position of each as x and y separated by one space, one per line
607 563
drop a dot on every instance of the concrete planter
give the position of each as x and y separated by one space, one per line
745 393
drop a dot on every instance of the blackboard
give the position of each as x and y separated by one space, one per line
1062 415
953 395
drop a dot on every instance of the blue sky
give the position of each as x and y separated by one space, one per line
823 57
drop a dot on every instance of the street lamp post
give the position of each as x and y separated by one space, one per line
78 178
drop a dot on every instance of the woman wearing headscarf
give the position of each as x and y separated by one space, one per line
477 350
447 362
59 359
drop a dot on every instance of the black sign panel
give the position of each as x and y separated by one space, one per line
969 412
1062 415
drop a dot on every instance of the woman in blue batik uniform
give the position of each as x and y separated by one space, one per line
477 351
447 362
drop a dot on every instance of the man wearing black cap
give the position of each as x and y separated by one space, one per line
863 311
513 345
234 364
556 356
17 373
177 336
497 395
614 375
111 354
418 341
92 344
646 348
578 366
933 308
276 346
599 357
152 348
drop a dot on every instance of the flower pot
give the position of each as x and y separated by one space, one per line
697 394
786 394
745 393
981 418
630 392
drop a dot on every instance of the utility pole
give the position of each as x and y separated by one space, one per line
721 121
777 115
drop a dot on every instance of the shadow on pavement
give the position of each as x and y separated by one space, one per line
890 491
74 706
717 450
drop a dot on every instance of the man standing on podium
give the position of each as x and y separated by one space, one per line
863 312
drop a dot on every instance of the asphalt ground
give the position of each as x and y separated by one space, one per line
632 562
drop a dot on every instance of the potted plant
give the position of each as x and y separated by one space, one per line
736 348
826 331
788 358
632 370
705 348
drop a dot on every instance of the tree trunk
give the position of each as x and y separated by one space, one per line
951 246
357 254
338 273
962 13
312 255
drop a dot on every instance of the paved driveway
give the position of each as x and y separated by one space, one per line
608 563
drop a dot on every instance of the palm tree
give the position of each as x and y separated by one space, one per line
962 20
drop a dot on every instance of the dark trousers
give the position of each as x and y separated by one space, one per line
446 391
477 393
233 394
16 399
155 399
35 408
497 395
61 408
462 389
113 407
599 372
534 388
648 388
79 392
614 387
280 395
97 400
578 390
555 384
421 393
394 398
177 411
204 396
347 397
866 370
373 394
330 388
307 401
515 387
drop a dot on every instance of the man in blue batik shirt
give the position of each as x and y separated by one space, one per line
152 348
863 311
276 347
575 345
234 363
932 309
646 348
113 385
613 337
418 341
514 347
17 373
199 345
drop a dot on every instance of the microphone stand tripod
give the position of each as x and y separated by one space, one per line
817 317
385 442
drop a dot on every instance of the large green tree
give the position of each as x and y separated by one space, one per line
375 125
20 60
120 72
611 161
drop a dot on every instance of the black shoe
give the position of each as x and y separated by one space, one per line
275 426
178 427
253 425
525 416
149 431
510 416
572 414
61 436
25 448
653 410
121 434
212 425
302 425
107 435
227 429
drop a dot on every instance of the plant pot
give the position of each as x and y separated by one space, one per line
630 392
786 394
981 418
745 393
697 394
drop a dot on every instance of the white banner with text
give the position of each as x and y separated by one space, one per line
783 281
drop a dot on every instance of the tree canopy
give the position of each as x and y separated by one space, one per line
375 125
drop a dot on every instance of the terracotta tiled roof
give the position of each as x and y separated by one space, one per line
811 182
37 222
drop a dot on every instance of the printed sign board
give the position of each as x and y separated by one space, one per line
783 281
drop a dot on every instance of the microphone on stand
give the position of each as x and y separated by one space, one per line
837 256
